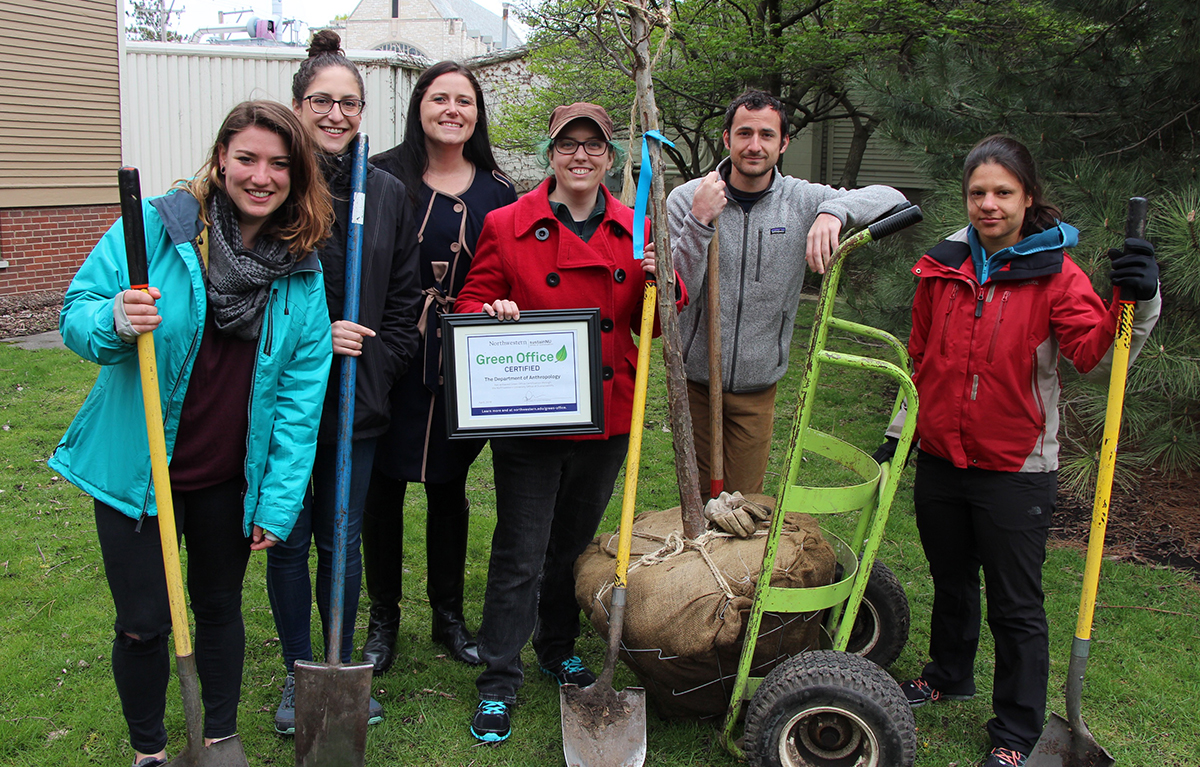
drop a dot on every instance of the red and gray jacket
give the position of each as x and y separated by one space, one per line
986 355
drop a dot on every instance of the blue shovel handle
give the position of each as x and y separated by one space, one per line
345 431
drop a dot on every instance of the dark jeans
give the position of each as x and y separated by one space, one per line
289 585
210 521
550 497
970 518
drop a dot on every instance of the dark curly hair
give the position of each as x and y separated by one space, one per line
755 100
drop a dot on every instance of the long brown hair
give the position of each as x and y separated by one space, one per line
304 219
1015 158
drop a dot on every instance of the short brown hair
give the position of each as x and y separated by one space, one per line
304 219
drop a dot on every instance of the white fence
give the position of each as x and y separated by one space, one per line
173 98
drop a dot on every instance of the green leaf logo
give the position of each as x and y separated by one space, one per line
562 354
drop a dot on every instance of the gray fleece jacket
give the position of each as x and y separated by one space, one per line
762 271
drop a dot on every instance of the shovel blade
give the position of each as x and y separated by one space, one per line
332 707
1060 746
224 753
602 727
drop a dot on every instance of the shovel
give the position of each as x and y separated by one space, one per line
227 752
716 404
600 726
332 700
1067 742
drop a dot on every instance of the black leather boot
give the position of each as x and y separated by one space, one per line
380 647
383 566
446 546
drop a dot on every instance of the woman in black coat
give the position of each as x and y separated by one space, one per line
446 163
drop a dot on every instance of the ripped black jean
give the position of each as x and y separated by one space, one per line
210 522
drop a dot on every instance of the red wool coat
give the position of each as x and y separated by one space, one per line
526 255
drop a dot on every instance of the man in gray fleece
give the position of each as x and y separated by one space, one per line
773 225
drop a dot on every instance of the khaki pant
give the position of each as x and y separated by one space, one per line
748 421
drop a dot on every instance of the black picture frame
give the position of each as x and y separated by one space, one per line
511 387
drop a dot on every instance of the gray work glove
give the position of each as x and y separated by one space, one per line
735 515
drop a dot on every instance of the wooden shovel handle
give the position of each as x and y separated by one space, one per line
715 387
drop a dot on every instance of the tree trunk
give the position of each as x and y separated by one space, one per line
858 146
681 418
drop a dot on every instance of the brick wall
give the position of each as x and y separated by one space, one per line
45 246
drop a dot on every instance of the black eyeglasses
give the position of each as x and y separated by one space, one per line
323 105
593 146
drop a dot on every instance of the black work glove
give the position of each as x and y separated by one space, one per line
887 451
1134 270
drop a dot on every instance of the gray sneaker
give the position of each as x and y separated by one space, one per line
285 715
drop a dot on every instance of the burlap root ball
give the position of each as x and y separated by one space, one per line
684 625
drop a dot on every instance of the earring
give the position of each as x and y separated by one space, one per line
222 170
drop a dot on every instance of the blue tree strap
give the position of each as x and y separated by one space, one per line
643 193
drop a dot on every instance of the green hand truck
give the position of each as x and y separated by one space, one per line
835 707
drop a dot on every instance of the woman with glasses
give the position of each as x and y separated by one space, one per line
241 338
567 244
453 181
328 97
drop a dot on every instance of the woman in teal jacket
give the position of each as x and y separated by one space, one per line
243 350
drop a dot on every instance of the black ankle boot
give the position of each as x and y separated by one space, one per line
446 547
380 648
450 630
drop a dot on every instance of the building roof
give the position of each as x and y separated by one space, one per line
476 18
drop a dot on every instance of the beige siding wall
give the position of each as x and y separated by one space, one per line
60 110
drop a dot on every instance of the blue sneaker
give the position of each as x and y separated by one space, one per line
374 712
570 671
491 722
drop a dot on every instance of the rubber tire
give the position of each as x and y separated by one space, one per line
881 626
825 679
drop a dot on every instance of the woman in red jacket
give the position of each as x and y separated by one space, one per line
567 244
997 303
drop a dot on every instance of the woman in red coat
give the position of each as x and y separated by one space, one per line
567 244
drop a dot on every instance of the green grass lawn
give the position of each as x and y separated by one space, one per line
58 704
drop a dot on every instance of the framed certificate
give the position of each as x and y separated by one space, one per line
538 376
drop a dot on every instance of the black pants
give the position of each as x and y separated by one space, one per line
550 497
970 518
447 523
210 520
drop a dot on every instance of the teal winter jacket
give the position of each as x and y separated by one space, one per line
105 451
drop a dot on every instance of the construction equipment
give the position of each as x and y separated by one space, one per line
332 700
835 706
1068 742
602 727
227 752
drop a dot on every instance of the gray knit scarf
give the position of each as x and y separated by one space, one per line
239 278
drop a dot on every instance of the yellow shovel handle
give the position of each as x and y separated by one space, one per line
148 364
636 426
1104 475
